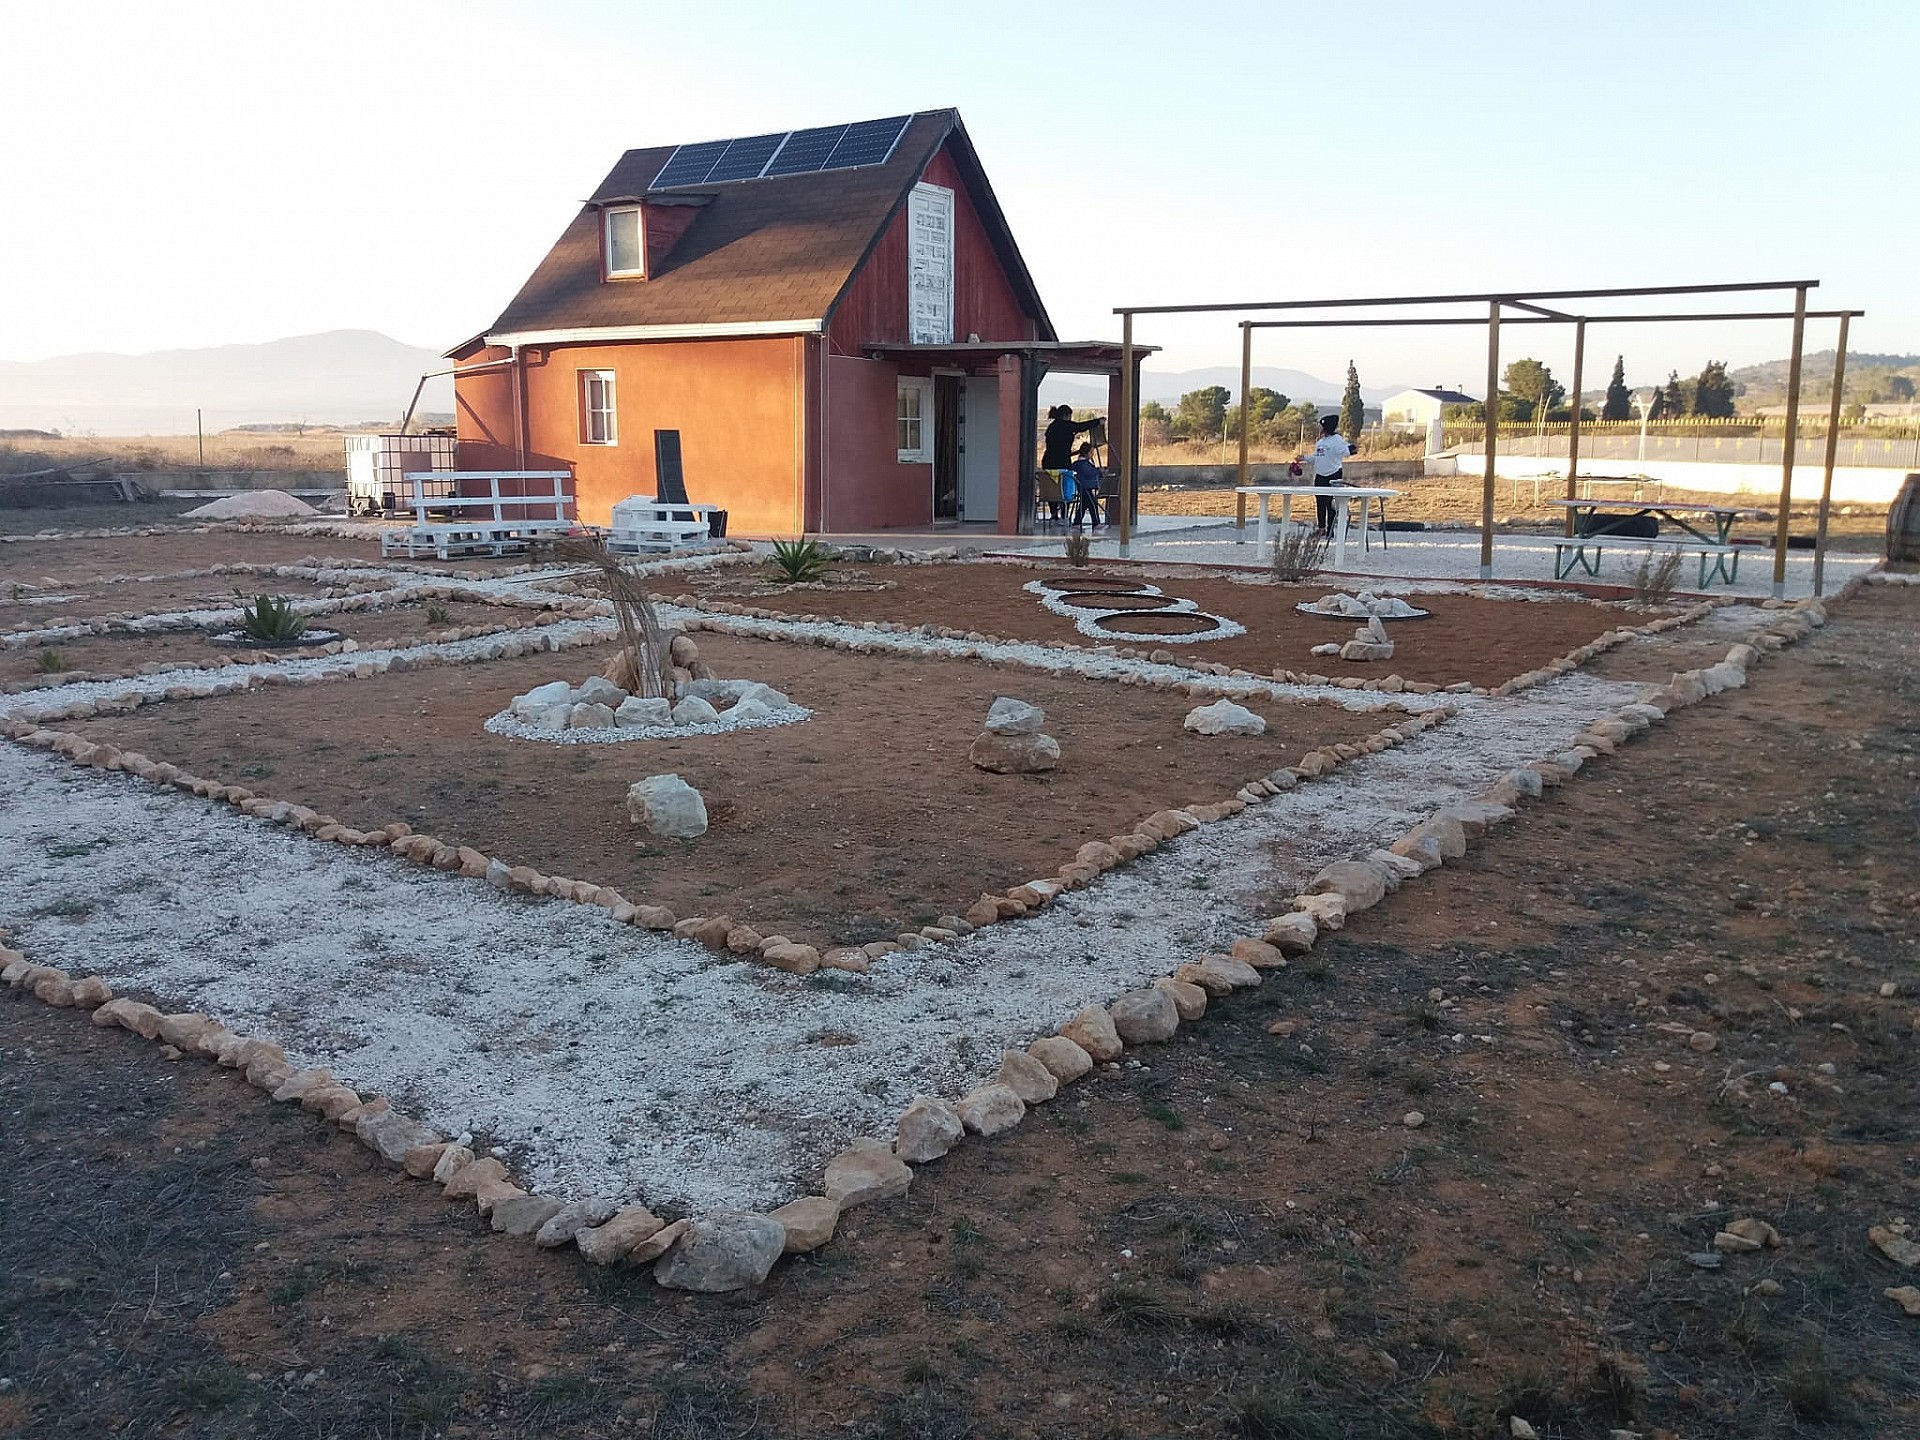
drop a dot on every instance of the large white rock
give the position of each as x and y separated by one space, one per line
543 698
593 716
768 696
749 707
1008 716
694 711
1223 717
667 806
727 1250
636 712
928 1129
599 691
1014 754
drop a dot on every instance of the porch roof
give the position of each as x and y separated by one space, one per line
1091 357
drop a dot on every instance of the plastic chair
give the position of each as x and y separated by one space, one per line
1048 492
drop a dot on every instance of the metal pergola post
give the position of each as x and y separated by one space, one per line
1833 445
1788 445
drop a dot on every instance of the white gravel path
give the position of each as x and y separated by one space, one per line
607 1060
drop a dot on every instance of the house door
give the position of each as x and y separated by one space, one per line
946 447
980 451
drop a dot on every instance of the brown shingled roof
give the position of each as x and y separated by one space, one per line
774 249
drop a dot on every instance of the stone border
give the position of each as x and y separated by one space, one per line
506 723
1086 620
731 1249
724 934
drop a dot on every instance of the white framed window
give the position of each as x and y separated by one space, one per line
625 243
597 422
913 422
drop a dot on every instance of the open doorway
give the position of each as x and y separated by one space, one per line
946 447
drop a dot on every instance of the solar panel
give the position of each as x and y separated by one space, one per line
796 152
807 150
745 159
867 143
689 164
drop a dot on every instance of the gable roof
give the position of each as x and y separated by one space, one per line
1445 397
761 255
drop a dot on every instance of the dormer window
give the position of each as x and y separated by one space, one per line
625 244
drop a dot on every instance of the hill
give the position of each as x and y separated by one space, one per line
1168 387
336 377
1867 377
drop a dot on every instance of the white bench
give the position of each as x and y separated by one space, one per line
1583 552
653 524
489 528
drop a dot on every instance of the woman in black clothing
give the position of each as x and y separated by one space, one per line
1061 430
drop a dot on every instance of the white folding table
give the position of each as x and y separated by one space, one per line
1342 494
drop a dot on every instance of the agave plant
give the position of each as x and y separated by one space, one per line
270 619
797 562
1078 547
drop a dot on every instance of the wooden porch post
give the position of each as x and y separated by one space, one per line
1573 430
1492 439
1126 433
1833 445
1246 385
1789 444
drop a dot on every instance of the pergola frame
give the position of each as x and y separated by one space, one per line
1527 301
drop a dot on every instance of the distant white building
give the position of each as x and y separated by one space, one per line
1420 409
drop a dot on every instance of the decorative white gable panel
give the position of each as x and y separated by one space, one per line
930 264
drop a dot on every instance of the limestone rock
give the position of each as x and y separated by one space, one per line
1329 911
694 711
1356 881
1895 1246
809 1222
1093 1031
1014 754
465 1182
636 712
391 1136
91 992
541 699
453 1159
1189 1001
1293 934
569 1220
1145 1017
928 1129
1258 953
989 1110
866 1170
1027 1077
1065 1060
795 959
604 1244
726 1250
590 717
657 1244
1008 716
1219 974
1223 717
667 806
599 690
523 1214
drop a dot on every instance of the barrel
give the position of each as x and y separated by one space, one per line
1903 522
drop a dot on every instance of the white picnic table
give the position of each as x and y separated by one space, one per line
1343 494
1719 557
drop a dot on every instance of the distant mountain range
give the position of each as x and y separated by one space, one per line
340 377
1168 386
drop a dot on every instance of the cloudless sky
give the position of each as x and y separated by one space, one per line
204 172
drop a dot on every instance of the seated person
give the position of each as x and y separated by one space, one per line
1086 486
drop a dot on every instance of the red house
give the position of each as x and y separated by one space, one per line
837 322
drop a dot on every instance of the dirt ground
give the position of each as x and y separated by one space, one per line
1481 641
1241 1237
395 625
878 783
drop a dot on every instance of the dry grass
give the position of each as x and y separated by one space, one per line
316 450
1455 500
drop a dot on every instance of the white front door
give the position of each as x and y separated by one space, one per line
980 450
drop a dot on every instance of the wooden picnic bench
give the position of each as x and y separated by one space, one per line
1719 557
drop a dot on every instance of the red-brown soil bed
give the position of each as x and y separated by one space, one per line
75 561
1150 623
1116 600
856 825
125 654
1482 641
151 597
1092 580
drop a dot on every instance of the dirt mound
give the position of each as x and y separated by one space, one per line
253 505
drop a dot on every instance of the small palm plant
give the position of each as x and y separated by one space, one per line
439 615
50 661
270 619
798 562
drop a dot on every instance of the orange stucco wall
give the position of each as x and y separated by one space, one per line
868 487
738 404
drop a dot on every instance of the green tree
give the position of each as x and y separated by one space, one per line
1154 410
1305 417
1264 415
1900 390
1201 414
1156 426
1713 392
1532 382
1353 410
1619 404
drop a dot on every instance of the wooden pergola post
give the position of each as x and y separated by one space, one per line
1573 430
1127 430
1787 447
1833 445
1246 385
1492 433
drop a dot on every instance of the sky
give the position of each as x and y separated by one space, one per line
202 172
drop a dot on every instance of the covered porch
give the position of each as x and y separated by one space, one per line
986 418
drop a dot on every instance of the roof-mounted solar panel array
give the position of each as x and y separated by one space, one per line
797 152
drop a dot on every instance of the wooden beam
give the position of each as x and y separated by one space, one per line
1573 427
1127 432
1789 444
1492 408
1833 445
1246 387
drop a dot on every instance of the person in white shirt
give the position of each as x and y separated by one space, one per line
1329 466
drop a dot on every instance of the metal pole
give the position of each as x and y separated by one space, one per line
1833 444
200 437
1573 429
1246 388
1127 433
1788 445
1493 431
